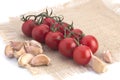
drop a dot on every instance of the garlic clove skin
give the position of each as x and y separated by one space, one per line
9 52
24 59
40 60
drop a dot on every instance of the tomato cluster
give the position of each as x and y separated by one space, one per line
61 36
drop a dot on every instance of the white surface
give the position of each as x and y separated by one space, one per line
9 69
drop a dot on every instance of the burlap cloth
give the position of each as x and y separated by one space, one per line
93 17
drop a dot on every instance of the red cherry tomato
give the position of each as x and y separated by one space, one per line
48 21
61 27
66 47
91 42
82 55
77 33
40 32
53 38
27 27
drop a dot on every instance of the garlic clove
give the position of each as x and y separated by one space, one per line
9 52
33 50
40 60
33 47
16 45
35 43
107 57
97 65
24 59
19 53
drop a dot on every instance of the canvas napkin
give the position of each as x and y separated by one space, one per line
91 16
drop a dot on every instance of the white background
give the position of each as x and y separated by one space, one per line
9 69
10 8
17 7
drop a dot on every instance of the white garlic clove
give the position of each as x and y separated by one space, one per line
35 43
107 56
40 60
24 59
16 45
19 53
97 65
33 50
9 52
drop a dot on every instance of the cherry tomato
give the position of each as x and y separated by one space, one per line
27 27
53 38
61 27
82 55
77 33
40 32
48 21
66 47
91 42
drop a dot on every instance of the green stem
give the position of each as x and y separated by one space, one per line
53 28
65 33
23 18
77 42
